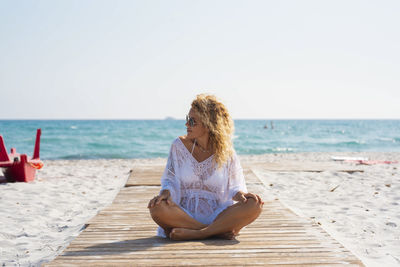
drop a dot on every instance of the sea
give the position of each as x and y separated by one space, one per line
126 139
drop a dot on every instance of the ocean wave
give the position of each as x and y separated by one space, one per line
91 156
355 143
283 149
127 155
385 139
259 151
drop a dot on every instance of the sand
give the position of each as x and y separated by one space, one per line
361 209
39 219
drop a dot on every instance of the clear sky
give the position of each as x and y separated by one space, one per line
79 59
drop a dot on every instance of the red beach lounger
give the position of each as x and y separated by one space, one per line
18 167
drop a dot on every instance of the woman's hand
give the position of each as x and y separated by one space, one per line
164 195
243 197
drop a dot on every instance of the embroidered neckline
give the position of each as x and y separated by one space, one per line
198 162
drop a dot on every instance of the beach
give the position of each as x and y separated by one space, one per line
360 209
356 204
39 219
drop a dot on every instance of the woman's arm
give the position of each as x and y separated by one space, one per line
170 184
237 184
238 189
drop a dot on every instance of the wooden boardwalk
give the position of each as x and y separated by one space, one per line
123 234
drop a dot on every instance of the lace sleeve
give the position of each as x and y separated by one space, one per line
236 177
169 180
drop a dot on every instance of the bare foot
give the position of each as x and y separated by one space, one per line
185 234
167 231
229 235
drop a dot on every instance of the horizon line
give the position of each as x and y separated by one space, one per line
174 119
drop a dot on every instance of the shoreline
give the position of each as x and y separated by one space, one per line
41 218
321 155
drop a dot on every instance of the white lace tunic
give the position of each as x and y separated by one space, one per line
201 189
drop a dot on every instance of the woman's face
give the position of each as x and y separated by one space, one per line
198 129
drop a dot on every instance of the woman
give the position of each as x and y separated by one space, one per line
203 179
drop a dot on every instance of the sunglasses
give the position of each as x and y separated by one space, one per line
190 121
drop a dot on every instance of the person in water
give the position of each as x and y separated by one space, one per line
203 191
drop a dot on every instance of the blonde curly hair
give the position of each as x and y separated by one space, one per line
215 117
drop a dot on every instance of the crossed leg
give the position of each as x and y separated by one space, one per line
178 225
231 220
169 216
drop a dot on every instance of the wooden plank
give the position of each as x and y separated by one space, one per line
202 262
146 175
300 166
124 234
